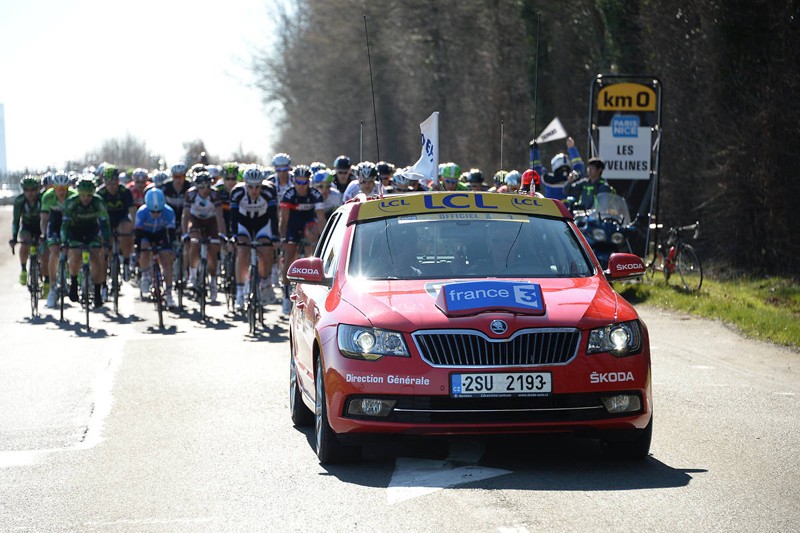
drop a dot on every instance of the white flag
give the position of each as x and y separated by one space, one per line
428 163
552 132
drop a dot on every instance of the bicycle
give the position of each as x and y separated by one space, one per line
178 273
114 269
675 256
201 282
157 288
85 296
228 273
255 311
34 285
61 282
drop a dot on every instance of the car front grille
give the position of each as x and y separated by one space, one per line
458 348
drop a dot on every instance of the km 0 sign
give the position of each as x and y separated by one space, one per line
626 97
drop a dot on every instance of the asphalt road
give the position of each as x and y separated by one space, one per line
130 428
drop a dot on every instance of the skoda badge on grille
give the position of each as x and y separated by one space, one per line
498 327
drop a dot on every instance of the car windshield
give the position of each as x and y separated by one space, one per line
466 245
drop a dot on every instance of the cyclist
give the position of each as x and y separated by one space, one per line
159 179
332 198
154 230
283 165
367 174
176 188
450 181
254 210
499 179
385 173
511 183
344 173
475 180
202 217
121 210
85 222
25 224
582 192
224 186
139 185
302 215
50 217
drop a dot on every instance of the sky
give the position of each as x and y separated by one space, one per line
74 73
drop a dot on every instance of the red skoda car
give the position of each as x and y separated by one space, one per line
447 313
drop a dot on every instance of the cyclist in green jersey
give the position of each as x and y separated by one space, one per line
25 222
50 215
85 222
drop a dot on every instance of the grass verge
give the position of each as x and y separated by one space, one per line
764 308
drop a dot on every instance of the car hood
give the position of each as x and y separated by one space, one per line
409 305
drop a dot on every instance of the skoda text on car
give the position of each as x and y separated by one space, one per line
464 313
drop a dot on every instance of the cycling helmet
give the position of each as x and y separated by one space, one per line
400 179
30 182
230 170
179 168
558 161
499 177
201 178
475 176
322 176
451 171
196 169
253 176
140 175
109 172
302 171
124 178
366 171
160 178
441 168
531 176
85 184
60 180
342 163
154 199
513 179
215 171
281 161
384 168
316 166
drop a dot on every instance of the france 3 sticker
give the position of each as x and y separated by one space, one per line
472 297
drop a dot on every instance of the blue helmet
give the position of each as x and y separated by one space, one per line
154 199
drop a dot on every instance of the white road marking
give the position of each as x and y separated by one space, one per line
413 478
102 394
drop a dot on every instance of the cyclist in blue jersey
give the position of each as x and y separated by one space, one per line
155 230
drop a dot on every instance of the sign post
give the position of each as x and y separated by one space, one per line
625 132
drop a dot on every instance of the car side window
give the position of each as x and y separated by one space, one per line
330 248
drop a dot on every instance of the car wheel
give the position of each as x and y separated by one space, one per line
301 415
329 449
631 444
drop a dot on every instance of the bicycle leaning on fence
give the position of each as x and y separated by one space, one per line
674 256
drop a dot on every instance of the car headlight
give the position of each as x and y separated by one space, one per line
370 344
618 339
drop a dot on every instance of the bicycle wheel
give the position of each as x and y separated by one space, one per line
252 301
61 283
33 284
114 270
202 275
179 277
688 266
86 295
158 294
230 280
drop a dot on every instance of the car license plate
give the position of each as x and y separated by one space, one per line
496 384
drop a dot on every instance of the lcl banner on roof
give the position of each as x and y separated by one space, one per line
625 126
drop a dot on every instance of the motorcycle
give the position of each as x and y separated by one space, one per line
607 226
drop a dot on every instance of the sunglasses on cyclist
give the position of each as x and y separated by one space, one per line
257 186
450 181
202 186
300 182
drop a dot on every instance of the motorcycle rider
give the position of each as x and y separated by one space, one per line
554 183
584 191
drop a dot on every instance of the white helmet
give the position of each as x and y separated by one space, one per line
60 180
281 161
253 176
560 160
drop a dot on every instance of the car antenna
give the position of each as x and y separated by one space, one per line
372 86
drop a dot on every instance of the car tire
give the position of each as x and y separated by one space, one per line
633 444
329 449
301 415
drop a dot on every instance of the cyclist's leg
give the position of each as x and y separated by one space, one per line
24 239
242 263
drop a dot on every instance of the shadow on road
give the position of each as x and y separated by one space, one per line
535 462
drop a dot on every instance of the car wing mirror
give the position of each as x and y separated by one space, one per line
624 266
307 270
